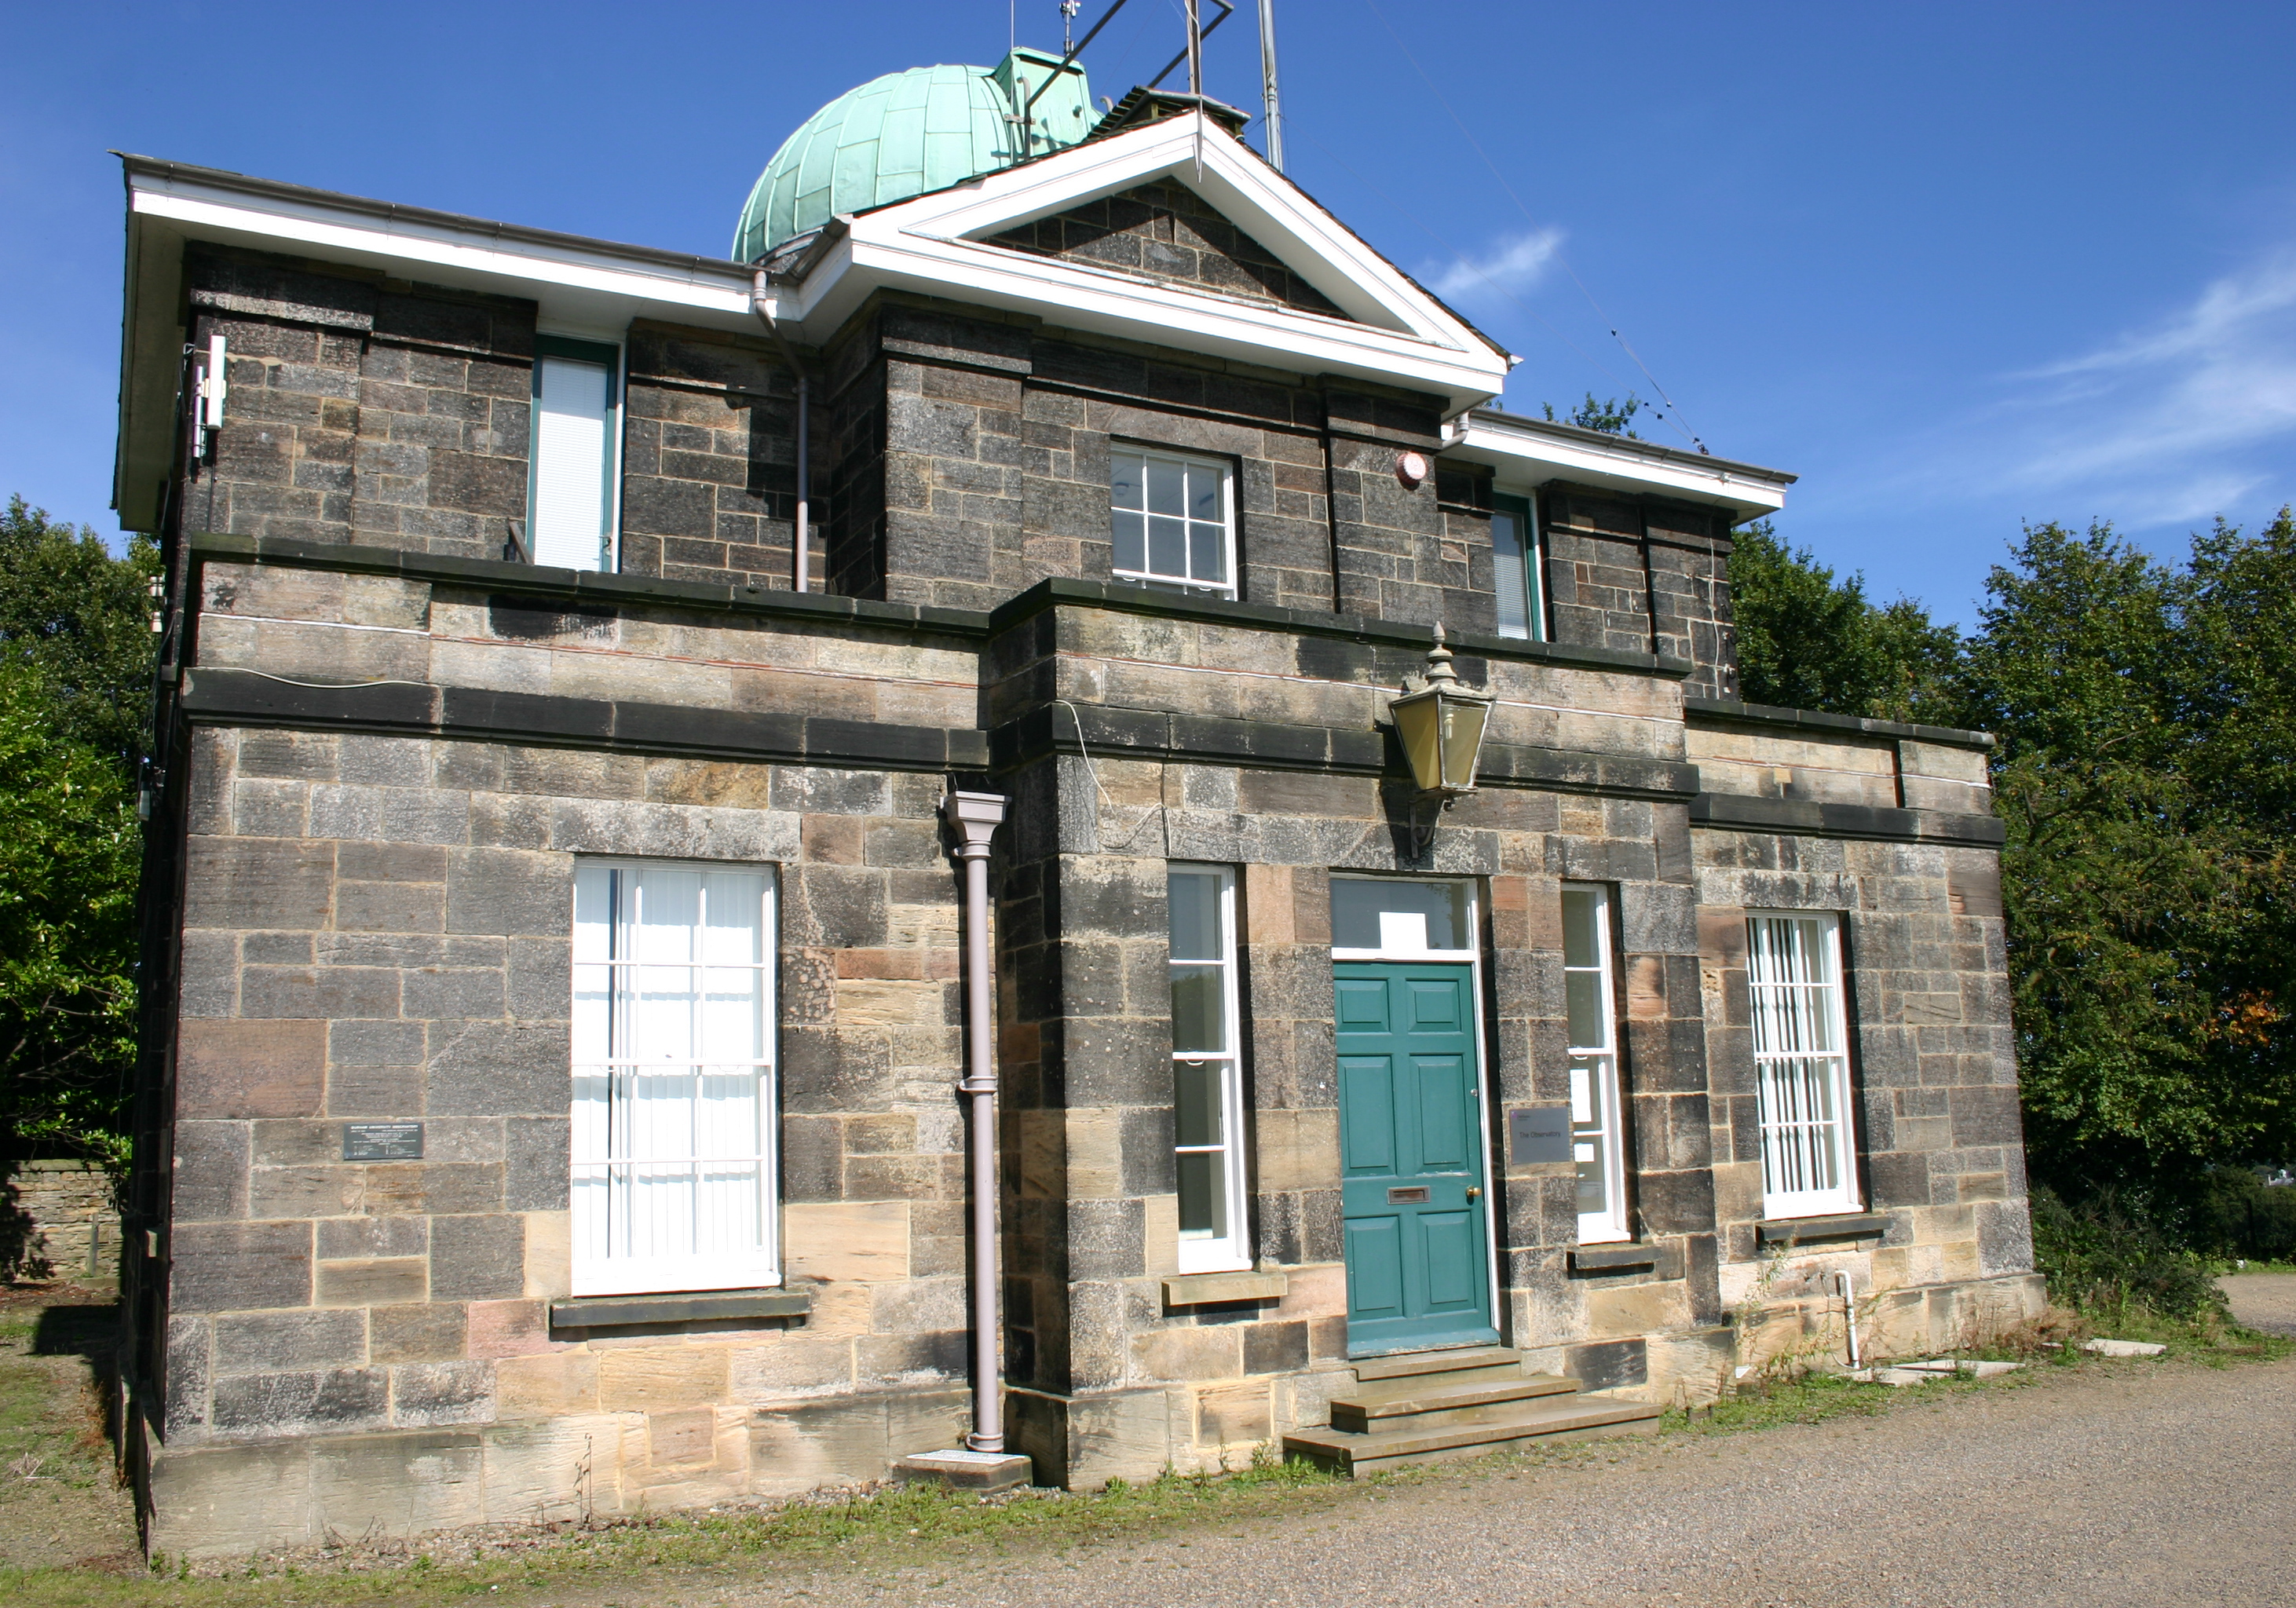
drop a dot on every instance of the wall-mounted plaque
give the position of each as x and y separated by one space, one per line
1539 1133
382 1141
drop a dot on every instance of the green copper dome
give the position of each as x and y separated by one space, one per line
904 134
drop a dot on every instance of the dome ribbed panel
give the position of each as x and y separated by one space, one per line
893 137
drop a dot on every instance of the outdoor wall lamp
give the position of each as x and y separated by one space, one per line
1441 724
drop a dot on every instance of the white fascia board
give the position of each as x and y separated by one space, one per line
1526 459
587 286
931 245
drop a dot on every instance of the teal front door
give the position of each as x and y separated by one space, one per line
1411 1154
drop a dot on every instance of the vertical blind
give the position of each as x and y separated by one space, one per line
1801 1062
573 461
1514 570
673 1078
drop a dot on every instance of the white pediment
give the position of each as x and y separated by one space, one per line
1393 330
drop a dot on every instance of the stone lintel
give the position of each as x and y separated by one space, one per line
1612 1258
623 1311
1802 817
1203 1289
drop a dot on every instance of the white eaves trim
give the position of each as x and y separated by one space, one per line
933 244
1526 454
428 247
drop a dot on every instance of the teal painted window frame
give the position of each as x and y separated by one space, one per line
1525 512
608 354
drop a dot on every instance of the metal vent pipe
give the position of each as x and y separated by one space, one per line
761 303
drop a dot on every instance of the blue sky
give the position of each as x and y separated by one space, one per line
1957 266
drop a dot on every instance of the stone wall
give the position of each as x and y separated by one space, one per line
376 929
58 1219
709 461
362 409
1166 231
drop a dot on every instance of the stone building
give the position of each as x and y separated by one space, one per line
575 658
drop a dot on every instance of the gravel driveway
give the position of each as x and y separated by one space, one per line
2263 1301
2133 1483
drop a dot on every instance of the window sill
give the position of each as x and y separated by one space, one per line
1612 1258
1203 1289
623 1311
1796 1231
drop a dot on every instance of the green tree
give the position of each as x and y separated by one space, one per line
80 618
1612 418
70 849
1808 640
76 649
2143 714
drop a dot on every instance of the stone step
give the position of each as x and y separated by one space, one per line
1489 1361
1557 1418
1427 1399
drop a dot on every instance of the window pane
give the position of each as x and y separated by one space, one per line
1205 543
1510 574
1199 1008
1203 493
1590 1125
1358 903
1196 915
1203 1194
1196 1104
1583 998
1582 943
1128 478
1167 546
1131 542
1166 487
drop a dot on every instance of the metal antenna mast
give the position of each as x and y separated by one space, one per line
1269 103
1195 50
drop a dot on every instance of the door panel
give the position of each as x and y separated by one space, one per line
1411 1139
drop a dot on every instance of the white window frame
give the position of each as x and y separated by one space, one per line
628 1273
1534 567
612 357
1596 1087
1795 1079
1229 1252
1176 583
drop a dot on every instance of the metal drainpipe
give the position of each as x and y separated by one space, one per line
762 304
976 816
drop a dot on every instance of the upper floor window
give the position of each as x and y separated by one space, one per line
673 1164
1801 1064
577 433
1515 569
1173 521
1590 1002
1207 1081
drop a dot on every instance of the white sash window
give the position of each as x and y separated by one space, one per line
1172 521
1590 1001
674 1096
1801 1064
1207 1088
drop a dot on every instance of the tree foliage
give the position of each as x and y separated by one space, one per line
80 620
2146 773
75 681
1612 416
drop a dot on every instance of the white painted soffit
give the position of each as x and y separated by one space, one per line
1528 453
578 284
1396 333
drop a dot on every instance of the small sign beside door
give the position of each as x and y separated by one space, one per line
1538 1133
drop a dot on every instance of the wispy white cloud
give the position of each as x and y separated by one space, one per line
1515 264
2166 424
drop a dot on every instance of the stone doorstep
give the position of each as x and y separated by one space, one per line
1411 1398
1555 1417
1406 1365
963 1470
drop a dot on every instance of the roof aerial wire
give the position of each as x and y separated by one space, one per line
1674 417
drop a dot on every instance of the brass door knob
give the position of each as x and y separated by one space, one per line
1474 1191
